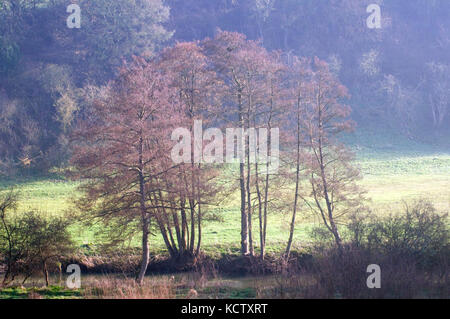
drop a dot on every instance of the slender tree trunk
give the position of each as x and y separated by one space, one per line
244 217
190 192
199 214
145 249
260 217
144 217
162 218
249 200
184 227
171 245
333 225
176 223
10 247
5 276
192 242
45 272
250 235
199 222
297 183
266 184
337 236
165 235
266 194
26 278
294 213
60 273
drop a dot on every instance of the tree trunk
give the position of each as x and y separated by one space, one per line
249 203
297 183
144 218
10 249
199 215
337 236
244 217
45 272
192 208
5 277
266 184
333 225
294 213
260 218
184 230
145 250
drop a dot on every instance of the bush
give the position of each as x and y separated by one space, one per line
29 242
411 248
48 240
420 235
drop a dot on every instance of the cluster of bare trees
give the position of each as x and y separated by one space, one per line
123 146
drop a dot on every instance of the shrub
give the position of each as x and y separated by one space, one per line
29 242
48 240
411 249
420 235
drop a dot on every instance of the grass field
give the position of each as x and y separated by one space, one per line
392 174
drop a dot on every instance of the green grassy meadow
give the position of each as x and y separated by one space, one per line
392 176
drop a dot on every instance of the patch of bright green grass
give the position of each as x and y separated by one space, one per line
52 292
392 182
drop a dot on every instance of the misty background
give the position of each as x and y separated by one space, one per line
398 75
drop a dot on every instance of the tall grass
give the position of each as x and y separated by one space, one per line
107 287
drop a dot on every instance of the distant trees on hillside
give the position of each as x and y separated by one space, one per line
412 35
46 69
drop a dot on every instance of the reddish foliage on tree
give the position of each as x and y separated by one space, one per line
193 184
248 72
124 144
124 147
331 175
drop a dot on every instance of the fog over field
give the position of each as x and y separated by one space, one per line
216 149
